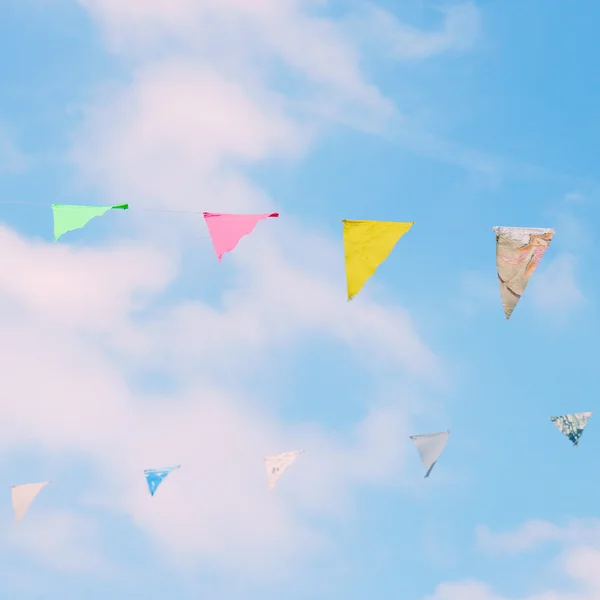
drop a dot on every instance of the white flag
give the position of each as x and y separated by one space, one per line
276 464
430 447
23 496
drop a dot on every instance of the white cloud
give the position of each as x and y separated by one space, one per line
461 28
463 590
535 532
438 546
574 197
235 32
92 290
11 158
580 565
556 290
70 394
62 541
81 330
251 41
573 231
578 562
477 289
167 137
283 296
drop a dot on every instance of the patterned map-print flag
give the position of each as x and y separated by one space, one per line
572 425
277 464
518 253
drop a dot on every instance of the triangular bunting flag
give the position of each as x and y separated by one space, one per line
572 425
518 253
23 496
68 217
276 465
227 230
430 447
366 245
154 477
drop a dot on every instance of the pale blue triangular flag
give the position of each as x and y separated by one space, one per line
154 477
430 447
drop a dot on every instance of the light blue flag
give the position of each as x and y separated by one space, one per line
154 477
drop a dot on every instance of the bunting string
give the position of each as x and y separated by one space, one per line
286 215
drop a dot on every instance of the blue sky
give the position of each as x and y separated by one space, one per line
128 346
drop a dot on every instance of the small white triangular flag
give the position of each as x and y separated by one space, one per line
430 447
276 464
23 496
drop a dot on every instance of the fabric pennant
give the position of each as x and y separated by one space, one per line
366 245
277 464
23 496
572 425
68 217
518 253
154 477
226 230
430 447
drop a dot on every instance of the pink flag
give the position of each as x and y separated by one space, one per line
227 230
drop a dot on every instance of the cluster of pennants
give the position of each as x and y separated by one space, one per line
366 244
429 446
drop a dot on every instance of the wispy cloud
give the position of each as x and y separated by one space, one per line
63 541
461 27
476 290
179 134
556 290
250 41
463 590
579 562
236 34
11 158
536 532
575 197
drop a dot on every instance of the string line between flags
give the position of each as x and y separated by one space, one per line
284 215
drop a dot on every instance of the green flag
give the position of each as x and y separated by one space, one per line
69 216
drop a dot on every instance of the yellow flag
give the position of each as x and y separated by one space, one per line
367 244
